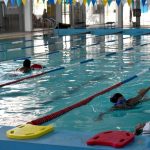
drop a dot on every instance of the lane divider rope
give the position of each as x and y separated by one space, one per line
53 37
56 114
40 74
59 68
72 48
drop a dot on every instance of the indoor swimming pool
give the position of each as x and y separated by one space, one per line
75 68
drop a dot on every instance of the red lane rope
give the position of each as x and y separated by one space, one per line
22 79
32 76
67 109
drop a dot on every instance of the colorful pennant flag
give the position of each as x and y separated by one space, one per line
84 2
109 2
129 2
104 2
12 2
67 1
88 1
144 8
143 2
93 2
81 2
6 2
19 2
118 2
123 2
70 2
59 2
74 2
51 2
24 2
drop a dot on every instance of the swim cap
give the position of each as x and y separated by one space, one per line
27 63
115 97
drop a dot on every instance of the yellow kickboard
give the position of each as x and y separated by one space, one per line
28 131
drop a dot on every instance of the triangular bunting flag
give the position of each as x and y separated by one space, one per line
109 2
6 2
55 1
84 2
12 2
118 2
88 1
123 2
51 2
104 2
129 2
81 2
74 2
67 1
144 8
24 2
70 2
19 2
59 2
143 2
93 2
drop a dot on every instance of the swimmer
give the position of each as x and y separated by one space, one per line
120 102
26 66
142 128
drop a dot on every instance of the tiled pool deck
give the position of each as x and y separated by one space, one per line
64 140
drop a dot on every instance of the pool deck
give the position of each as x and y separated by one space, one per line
64 140
71 31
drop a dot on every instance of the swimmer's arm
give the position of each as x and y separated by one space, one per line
141 94
135 100
100 116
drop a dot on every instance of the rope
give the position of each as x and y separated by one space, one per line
81 103
59 68
40 74
33 76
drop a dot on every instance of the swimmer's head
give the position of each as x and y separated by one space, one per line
27 63
115 97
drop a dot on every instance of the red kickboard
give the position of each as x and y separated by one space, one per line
36 66
116 139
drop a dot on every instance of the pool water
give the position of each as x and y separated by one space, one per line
36 97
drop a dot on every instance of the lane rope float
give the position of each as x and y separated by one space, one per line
83 102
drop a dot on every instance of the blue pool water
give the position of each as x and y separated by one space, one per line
33 98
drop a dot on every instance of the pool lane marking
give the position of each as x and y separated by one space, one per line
21 41
57 42
40 74
127 49
72 48
77 47
26 47
42 35
56 114
73 40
